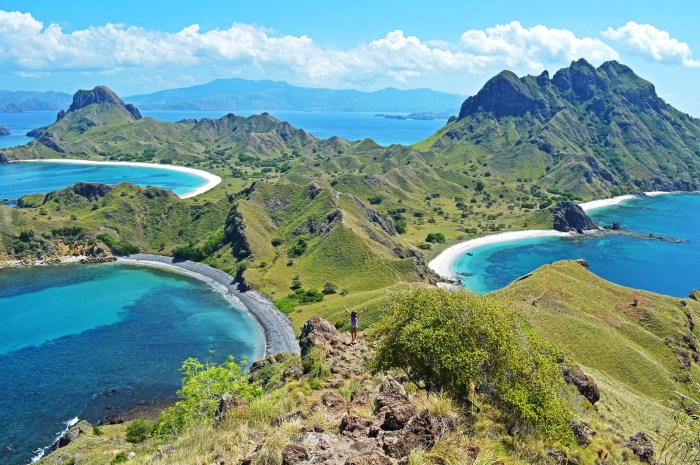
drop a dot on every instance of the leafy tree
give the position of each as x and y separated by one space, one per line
376 199
296 283
435 238
203 387
329 288
449 340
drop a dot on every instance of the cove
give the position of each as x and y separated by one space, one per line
666 268
19 179
89 341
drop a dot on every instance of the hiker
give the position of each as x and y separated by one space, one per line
354 315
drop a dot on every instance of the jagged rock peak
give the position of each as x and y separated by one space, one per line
100 94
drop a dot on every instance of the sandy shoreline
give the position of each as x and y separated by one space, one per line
211 180
442 264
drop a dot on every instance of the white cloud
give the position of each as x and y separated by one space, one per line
513 45
29 46
648 41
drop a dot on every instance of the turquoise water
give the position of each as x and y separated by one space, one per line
88 341
18 179
662 267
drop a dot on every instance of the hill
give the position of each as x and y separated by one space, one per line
594 131
640 347
21 101
242 94
4 131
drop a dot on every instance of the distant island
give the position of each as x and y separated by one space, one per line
243 94
21 101
4 131
425 115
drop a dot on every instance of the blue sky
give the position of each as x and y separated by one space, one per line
455 46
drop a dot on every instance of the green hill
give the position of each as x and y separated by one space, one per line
640 347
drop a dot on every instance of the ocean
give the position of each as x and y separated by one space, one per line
662 267
89 341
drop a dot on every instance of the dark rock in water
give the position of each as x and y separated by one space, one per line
4 131
585 384
567 216
641 446
615 226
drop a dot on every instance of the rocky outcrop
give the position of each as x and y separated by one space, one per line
4 131
567 217
274 371
585 384
582 432
641 446
71 434
695 295
98 95
293 454
90 191
318 332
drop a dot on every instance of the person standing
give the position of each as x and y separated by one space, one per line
354 317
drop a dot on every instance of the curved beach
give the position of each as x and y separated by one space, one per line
274 326
211 180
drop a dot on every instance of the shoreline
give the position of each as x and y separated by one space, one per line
442 264
274 327
211 180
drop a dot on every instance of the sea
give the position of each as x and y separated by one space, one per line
662 267
91 341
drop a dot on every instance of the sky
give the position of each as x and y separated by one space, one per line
453 46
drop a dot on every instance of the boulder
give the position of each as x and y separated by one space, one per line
71 434
695 295
354 426
294 453
585 384
567 217
418 432
641 446
394 409
318 332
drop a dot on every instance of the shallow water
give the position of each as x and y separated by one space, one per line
662 267
88 341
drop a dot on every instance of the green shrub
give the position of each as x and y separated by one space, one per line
435 238
121 457
138 430
117 247
188 252
315 363
329 288
448 340
203 387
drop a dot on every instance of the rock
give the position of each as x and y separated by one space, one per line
354 426
287 417
556 457
418 432
368 458
583 432
273 372
294 453
394 408
131 455
99 94
567 216
615 226
641 446
360 397
585 384
695 295
71 434
90 191
227 404
318 332
4 131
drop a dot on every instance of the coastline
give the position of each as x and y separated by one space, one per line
275 328
442 264
211 180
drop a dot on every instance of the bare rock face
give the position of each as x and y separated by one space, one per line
71 435
294 454
583 432
641 446
418 432
567 216
272 372
695 295
393 407
99 94
585 384
318 332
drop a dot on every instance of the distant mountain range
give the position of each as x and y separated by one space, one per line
22 101
238 94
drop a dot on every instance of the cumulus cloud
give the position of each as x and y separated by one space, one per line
31 47
514 45
652 43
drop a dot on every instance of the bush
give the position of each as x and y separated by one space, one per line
449 340
203 387
138 430
188 252
435 238
117 247
329 288
376 199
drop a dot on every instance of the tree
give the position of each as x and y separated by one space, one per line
138 430
296 283
435 237
329 288
449 340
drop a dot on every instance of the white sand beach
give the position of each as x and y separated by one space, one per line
442 264
588 206
211 180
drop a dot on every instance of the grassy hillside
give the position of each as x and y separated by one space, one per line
640 347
